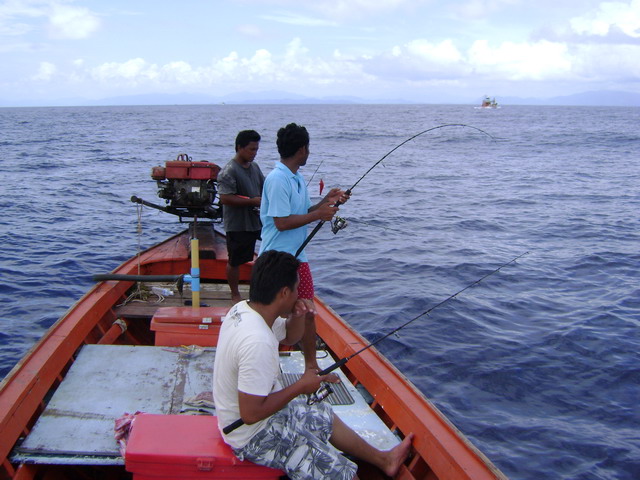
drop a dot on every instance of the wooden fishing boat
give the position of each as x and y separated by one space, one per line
112 354
122 352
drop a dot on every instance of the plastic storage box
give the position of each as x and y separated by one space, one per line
176 326
185 447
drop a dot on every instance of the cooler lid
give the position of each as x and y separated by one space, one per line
189 328
192 440
202 315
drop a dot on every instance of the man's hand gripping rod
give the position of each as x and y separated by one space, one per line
230 428
318 227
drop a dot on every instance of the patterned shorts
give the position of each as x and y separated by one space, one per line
295 440
305 288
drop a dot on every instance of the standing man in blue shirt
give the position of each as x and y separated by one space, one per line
240 187
285 213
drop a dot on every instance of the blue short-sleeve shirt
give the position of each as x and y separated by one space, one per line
284 193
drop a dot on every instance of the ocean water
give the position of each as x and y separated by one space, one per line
538 364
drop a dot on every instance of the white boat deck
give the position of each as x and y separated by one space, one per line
107 381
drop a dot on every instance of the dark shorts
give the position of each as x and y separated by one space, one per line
241 247
296 440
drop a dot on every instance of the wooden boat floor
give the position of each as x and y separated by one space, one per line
106 381
211 295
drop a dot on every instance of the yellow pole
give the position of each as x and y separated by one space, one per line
195 271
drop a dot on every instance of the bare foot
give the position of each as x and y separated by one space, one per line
397 456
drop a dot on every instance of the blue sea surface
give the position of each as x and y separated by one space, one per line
538 364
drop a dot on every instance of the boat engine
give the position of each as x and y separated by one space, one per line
189 188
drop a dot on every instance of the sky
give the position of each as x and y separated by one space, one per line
417 50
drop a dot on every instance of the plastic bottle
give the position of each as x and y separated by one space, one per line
163 292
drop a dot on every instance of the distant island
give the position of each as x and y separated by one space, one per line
595 98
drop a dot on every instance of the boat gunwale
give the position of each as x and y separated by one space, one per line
396 392
438 442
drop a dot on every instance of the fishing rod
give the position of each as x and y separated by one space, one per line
344 360
339 225
326 390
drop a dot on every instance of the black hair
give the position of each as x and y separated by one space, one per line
290 139
245 137
272 271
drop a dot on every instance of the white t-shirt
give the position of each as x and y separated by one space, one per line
247 360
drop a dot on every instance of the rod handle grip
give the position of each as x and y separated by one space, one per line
231 427
331 368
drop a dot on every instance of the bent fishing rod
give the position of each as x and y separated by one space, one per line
326 391
348 192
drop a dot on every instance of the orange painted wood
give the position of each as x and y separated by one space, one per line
447 452
111 335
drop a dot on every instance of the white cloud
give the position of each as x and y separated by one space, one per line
14 12
343 9
465 55
64 20
228 65
260 65
299 20
72 22
442 53
179 72
476 9
130 72
294 67
45 72
608 63
421 60
336 10
610 15
418 62
519 61
295 50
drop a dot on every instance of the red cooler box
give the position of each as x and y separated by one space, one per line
172 447
176 326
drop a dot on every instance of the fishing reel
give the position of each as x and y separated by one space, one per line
338 223
323 392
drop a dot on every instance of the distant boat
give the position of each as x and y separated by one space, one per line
489 103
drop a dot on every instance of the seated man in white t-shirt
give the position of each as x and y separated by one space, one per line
280 430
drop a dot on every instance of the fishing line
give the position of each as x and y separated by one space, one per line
325 390
377 226
344 360
314 173
348 192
